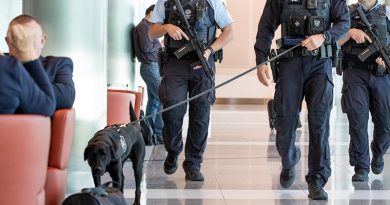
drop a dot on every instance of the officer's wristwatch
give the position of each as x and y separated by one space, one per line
211 50
325 37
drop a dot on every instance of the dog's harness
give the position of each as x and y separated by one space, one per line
114 133
121 138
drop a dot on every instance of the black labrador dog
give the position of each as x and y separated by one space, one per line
108 150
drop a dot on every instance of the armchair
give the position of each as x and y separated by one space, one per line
118 105
24 145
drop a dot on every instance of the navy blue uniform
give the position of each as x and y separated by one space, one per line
180 81
60 72
302 77
25 88
364 92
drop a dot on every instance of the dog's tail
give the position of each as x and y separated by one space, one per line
133 116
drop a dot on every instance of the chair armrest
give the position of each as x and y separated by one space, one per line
63 123
118 105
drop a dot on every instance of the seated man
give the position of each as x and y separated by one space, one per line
24 88
59 69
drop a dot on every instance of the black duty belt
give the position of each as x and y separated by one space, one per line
361 66
298 52
372 67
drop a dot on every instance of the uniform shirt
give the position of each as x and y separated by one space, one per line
145 48
271 19
221 14
25 88
371 59
377 5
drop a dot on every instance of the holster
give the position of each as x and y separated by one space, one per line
340 64
218 55
163 58
274 65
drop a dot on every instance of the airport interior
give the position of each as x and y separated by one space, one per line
241 164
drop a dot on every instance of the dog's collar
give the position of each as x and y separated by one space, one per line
117 126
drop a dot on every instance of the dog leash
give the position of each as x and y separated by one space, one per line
215 87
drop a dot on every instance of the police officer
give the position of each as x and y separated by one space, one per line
366 89
302 74
182 79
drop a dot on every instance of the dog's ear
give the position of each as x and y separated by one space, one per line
86 154
115 153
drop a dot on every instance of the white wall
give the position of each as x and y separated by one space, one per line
239 55
9 10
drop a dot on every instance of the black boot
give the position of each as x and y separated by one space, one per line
170 164
377 163
360 175
194 175
316 190
287 176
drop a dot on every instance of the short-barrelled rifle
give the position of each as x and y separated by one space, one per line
193 44
375 46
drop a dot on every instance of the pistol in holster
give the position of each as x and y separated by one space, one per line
163 58
274 65
218 55
340 67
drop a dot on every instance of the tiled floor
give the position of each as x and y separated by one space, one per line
241 166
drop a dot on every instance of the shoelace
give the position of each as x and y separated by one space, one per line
315 186
360 171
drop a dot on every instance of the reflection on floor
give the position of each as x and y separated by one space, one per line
241 166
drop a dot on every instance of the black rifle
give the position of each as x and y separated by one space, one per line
375 46
194 44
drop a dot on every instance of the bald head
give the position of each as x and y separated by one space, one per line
33 27
24 19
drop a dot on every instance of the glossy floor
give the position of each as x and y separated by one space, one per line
241 166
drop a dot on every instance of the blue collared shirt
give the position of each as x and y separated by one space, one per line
145 48
221 14
377 4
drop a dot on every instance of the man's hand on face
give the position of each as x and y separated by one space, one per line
22 40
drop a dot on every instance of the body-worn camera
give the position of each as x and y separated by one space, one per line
311 4
295 1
